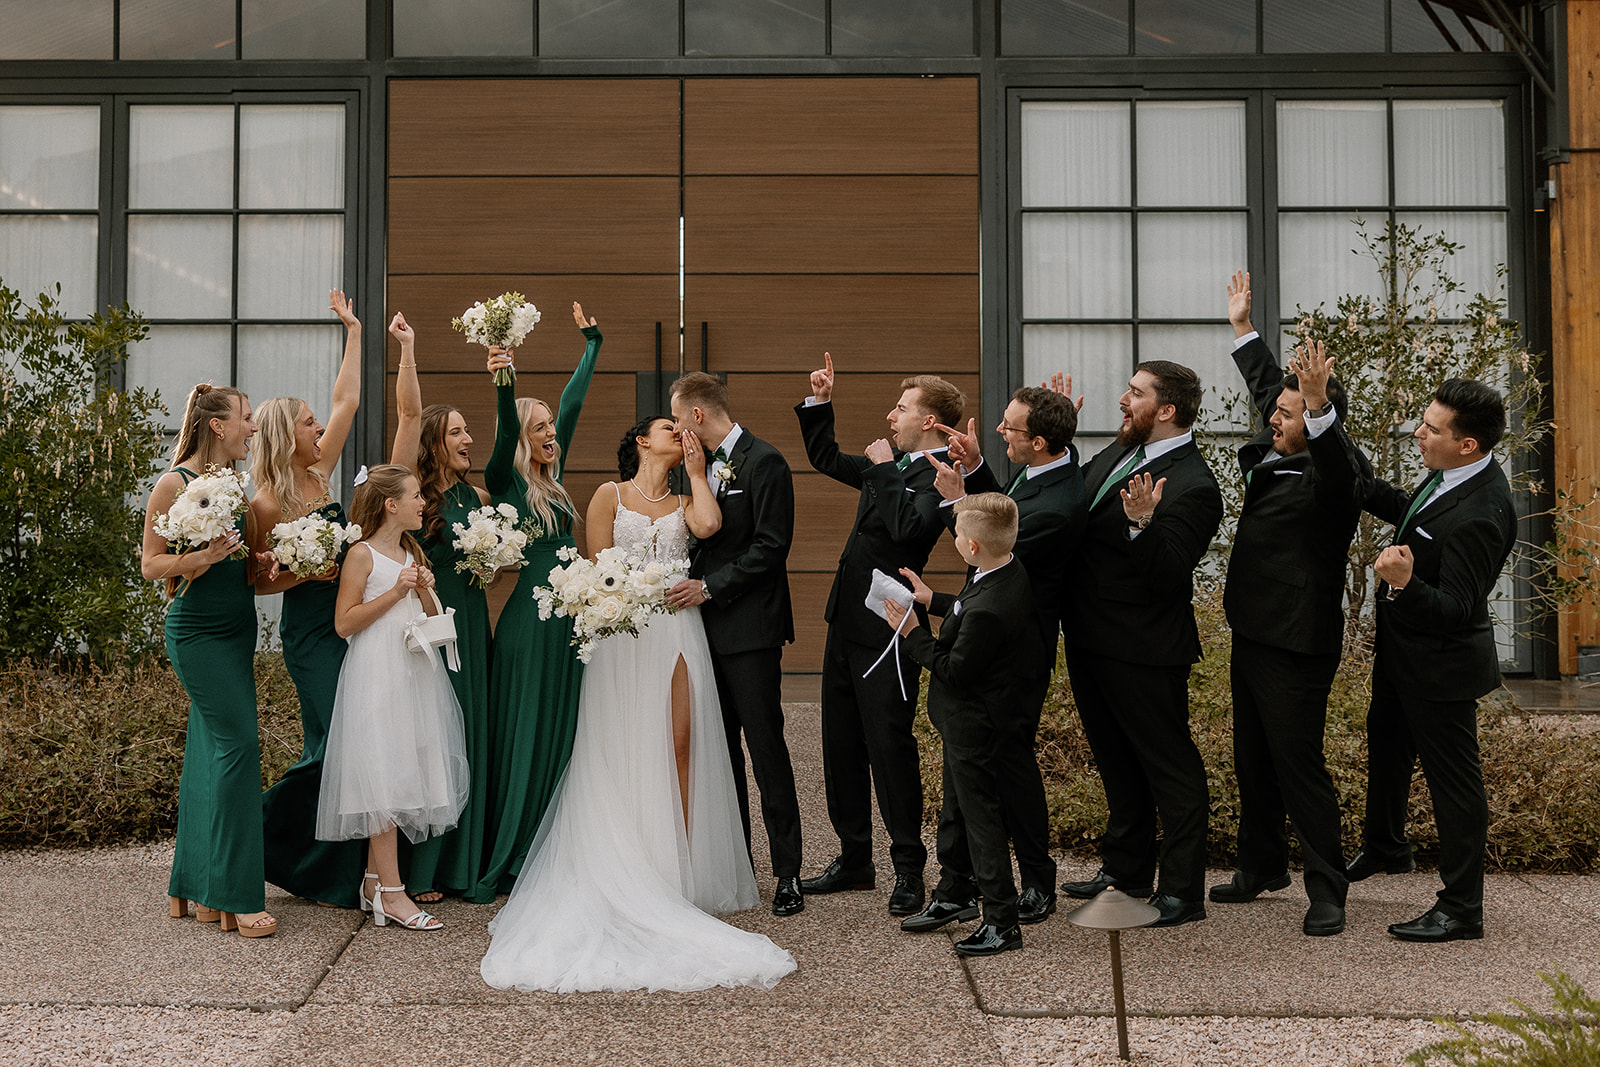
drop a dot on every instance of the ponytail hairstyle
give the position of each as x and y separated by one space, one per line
387 481
628 447
546 494
433 475
272 459
206 402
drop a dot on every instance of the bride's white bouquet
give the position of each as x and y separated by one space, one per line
491 540
311 545
208 507
614 593
503 321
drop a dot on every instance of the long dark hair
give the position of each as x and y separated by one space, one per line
433 475
628 448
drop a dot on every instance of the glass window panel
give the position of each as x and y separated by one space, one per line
287 264
1317 261
1077 266
887 28
60 29
1415 31
304 29
755 28
177 29
1322 25
617 28
180 157
463 27
1100 360
172 359
291 156
39 251
1185 261
181 266
1191 153
1075 155
1208 351
1475 266
1449 152
1185 27
297 361
1333 152
49 157
1064 27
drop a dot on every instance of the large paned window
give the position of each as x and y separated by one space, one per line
50 202
183 29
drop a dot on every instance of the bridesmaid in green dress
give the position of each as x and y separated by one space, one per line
211 640
533 683
434 442
293 459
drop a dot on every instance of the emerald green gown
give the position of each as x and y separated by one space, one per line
329 871
211 641
535 674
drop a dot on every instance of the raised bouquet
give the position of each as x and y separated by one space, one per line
615 593
491 540
208 507
503 321
311 545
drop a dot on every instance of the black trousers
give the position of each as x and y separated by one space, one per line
973 795
1136 717
867 746
1444 733
750 686
1280 710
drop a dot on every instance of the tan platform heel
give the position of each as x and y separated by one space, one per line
178 908
265 926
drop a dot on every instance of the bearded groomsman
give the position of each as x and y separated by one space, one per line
1131 639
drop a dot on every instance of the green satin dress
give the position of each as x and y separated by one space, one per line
329 871
211 641
535 674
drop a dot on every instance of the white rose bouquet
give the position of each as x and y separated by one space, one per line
503 321
491 540
208 507
311 545
615 593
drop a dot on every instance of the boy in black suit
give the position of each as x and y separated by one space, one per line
984 667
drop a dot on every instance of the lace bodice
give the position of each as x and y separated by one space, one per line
665 539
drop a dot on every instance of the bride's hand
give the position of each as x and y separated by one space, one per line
694 455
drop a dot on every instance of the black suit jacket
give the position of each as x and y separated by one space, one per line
1286 573
988 660
1131 598
745 563
897 524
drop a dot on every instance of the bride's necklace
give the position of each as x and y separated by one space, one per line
647 496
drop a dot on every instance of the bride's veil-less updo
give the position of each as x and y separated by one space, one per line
628 448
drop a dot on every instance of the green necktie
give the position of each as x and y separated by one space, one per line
1119 476
1421 498
903 462
1022 476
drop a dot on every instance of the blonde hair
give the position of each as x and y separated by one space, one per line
546 494
272 460
991 520
206 402
387 481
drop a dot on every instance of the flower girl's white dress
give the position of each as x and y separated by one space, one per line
615 891
397 753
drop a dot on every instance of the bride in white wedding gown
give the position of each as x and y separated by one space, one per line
642 843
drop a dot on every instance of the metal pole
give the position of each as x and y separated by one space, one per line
1116 990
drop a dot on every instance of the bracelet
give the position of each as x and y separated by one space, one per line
407 366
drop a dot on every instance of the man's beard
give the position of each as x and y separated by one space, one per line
1137 432
1289 445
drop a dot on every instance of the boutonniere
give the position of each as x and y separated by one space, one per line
724 472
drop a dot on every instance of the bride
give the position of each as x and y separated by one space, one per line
643 838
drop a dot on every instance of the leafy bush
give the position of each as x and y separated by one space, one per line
1568 1038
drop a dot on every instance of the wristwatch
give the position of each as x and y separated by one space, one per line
1323 412
705 590
1145 521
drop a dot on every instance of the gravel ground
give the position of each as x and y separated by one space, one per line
126 1037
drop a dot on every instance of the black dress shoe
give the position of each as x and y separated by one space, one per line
837 880
1246 887
941 913
1437 926
990 940
1099 884
1034 906
1367 863
1175 912
787 900
908 896
1323 919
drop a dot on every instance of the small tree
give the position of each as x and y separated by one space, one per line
74 455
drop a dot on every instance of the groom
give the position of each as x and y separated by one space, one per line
741 583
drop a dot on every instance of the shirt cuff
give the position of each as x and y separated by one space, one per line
976 469
952 503
1240 342
812 401
1316 425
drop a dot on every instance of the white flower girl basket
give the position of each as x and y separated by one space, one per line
428 632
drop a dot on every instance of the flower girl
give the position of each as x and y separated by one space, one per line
396 756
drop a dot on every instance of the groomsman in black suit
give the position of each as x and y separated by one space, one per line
1435 653
987 660
1131 640
740 581
1285 605
867 743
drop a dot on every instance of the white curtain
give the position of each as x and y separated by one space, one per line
1333 153
181 266
1076 154
180 157
287 264
1191 153
291 156
297 361
1099 358
1482 237
1077 266
1185 260
172 359
1449 153
50 158
1317 261
1208 351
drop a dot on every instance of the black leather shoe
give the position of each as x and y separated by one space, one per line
1246 887
941 913
1366 864
1034 906
1175 912
1323 919
837 880
990 940
1099 884
787 900
908 896
1437 926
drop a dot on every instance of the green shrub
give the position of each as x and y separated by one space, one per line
1567 1038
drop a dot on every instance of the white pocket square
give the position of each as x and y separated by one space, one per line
1301 473
732 492
955 609
1424 533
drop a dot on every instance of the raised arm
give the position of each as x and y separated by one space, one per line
816 428
407 398
702 512
577 387
1261 372
346 387
507 429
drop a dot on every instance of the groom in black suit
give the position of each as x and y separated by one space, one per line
740 581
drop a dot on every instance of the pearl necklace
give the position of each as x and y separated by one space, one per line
646 496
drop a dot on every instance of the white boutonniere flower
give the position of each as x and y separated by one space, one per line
724 472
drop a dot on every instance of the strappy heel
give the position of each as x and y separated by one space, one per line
361 894
230 923
422 920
